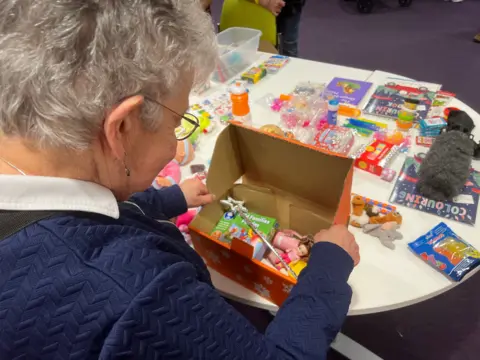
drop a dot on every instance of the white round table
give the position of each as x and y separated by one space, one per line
385 279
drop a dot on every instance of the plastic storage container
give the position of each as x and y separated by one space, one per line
238 50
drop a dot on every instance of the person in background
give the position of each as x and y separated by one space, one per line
92 93
288 14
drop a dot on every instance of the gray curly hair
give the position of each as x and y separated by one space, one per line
65 63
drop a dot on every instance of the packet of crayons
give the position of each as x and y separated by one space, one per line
444 250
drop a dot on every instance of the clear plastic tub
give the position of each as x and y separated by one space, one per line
238 51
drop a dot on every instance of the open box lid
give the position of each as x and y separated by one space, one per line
276 163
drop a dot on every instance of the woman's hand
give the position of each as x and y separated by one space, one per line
196 193
275 6
339 235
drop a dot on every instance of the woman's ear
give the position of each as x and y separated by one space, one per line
120 124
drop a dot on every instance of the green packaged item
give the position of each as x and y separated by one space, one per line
231 226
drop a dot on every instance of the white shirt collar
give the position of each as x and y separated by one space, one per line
49 193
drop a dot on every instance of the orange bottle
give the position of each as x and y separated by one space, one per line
240 106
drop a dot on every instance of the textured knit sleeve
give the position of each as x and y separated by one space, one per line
178 317
167 202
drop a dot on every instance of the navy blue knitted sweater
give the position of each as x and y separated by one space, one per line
85 286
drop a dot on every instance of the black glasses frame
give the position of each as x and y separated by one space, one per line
195 123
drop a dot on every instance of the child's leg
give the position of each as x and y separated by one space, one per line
288 24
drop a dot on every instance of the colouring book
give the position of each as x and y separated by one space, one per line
463 209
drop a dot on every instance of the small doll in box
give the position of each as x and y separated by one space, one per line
292 247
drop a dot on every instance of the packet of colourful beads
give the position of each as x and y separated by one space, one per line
447 252
335 139
309 89
296 112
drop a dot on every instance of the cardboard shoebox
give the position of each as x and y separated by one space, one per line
305 189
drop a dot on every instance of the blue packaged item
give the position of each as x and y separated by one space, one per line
433 123
431 133
444 250
332 113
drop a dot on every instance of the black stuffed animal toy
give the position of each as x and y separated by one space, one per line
446 167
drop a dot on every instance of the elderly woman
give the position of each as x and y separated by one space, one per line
92 93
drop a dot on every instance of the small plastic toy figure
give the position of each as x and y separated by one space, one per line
291 246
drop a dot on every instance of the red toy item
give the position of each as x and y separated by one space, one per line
186 219
376 157
447 110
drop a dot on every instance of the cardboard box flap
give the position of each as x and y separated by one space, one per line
275 162
226 167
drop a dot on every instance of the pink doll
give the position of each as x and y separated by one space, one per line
170 175
291 247
287 239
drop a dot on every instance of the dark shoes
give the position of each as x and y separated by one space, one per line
477 38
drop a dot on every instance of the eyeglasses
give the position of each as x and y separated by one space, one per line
190 122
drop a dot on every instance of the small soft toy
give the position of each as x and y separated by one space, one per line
387 233
187 218
359 216
446 167
392 216
186 234
182 222
170 175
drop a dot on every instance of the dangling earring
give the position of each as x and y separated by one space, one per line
127 170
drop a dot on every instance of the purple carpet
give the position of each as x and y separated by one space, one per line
430 41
